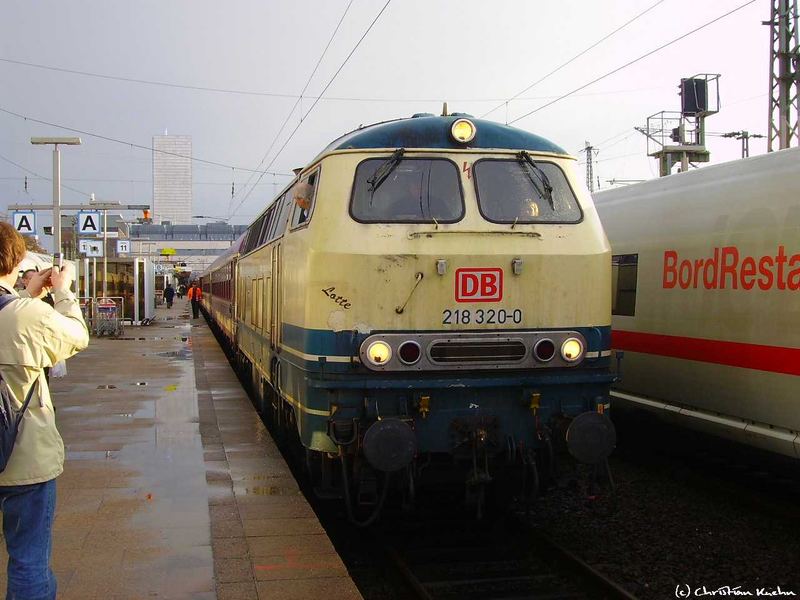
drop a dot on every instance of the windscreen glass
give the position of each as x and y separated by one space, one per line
407 191
514 191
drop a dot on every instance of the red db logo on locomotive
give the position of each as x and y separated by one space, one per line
479 285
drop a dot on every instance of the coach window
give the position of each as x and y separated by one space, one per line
407 191
303 195
524 191
624 270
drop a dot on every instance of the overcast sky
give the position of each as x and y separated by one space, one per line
474 54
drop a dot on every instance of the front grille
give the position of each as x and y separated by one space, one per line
477 351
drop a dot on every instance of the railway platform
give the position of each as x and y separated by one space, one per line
172 487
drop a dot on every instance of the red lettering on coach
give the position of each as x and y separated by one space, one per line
728 268
479 285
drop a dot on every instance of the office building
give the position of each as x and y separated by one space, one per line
172 179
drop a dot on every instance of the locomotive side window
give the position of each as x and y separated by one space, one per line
253 233
515 191
269 218
283 205
624 271
303 194
407 191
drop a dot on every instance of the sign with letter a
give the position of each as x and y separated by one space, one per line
25 222
89 223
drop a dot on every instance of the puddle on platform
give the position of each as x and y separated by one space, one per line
139 383
106 387
183 354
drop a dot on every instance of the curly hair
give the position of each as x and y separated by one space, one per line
12 248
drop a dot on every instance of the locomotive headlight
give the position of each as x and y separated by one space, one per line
379 353
463 131
571 349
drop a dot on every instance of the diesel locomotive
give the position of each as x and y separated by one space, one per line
429 295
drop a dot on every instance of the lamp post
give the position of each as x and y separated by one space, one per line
56 141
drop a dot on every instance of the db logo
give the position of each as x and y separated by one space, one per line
479 285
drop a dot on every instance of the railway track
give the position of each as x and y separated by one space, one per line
456 559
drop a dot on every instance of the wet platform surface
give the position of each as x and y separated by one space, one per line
172 486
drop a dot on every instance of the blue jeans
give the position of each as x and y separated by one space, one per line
28 512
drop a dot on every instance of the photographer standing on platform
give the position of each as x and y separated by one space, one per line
33 336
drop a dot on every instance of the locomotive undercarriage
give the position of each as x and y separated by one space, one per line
498 446
389 447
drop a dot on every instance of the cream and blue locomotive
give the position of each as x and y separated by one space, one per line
429 292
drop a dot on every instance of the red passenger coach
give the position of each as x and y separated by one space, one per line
219 289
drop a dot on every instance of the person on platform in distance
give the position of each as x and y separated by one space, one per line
169 295
33 336
195 295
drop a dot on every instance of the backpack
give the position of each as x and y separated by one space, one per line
10 418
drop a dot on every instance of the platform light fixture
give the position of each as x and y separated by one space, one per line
56 142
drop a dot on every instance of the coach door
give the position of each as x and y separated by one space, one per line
274 298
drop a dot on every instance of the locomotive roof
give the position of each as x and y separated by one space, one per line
430 131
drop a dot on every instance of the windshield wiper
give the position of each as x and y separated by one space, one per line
526 161
383 171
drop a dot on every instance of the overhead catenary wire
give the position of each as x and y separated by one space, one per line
577 56
322 93
291 112
634 61
27 170
292 96
133 144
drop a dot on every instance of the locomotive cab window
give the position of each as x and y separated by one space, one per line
624 271
522 190
407 191
303 195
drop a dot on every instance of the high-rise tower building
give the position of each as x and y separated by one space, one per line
172 179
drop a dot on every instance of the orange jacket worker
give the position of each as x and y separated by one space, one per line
195 295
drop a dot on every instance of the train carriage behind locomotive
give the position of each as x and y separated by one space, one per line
432 286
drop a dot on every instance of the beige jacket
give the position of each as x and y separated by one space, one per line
33 336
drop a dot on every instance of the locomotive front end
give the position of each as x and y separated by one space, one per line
459 316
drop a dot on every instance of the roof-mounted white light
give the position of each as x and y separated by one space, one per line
463 131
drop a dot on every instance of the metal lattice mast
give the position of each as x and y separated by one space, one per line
589 167
784 103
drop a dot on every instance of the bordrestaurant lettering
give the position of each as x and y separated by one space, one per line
727 268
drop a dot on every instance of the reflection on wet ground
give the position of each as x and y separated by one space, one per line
132 518
266 539
172 486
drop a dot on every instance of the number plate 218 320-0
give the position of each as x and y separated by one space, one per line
481 316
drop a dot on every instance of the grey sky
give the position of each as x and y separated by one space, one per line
471 53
